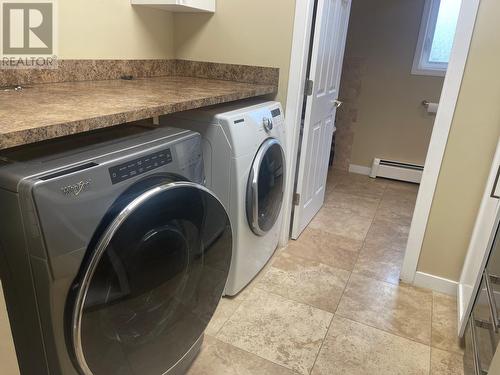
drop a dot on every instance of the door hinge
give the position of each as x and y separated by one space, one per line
309 87
494 191
296 199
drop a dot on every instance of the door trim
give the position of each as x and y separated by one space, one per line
439 138
436 283
482 240
451 88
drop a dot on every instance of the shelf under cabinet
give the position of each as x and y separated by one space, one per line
191 6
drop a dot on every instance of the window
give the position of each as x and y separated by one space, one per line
437 31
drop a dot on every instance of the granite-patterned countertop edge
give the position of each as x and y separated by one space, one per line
167 95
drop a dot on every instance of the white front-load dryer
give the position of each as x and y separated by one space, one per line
243 146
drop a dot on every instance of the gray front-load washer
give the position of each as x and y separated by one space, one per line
114 255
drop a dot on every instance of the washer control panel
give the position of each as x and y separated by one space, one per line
136 167
277 116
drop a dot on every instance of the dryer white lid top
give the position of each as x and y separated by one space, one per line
214 114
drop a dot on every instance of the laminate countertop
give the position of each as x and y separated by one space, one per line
45 111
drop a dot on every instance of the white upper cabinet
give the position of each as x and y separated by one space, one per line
206 6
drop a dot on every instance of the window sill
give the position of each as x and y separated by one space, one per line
428 72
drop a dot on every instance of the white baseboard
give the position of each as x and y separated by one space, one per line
359 169
436 283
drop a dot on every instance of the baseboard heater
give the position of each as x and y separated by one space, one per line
397 170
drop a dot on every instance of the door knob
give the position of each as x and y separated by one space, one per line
337 103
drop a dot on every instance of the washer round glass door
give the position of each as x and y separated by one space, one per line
152 283
265 187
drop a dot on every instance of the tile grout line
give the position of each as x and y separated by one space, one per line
256 355
320 262
288 299
447 350
259 275
229 317
384 331
430 343
363 244
364 241
385 282
398 285
232 313
322 343
346 285
256 286
244 350
342 294
368 231
331 322
294 300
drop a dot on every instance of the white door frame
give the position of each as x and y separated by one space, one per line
449 96
481 243
439 138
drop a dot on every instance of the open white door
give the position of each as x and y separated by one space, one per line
330 32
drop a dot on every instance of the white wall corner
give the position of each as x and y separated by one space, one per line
436 283
360 169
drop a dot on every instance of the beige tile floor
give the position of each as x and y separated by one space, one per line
331 302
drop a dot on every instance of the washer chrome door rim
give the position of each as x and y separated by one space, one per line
76 319
252 202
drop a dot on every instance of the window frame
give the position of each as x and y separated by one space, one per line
421 64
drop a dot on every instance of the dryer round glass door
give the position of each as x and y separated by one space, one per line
153 282
265 187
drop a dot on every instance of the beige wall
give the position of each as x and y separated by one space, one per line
253 32
469 152
256 32
113 29
495 363
391 123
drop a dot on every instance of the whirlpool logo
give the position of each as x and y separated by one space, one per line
77 188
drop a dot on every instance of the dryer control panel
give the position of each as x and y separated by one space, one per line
136 167
247 127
